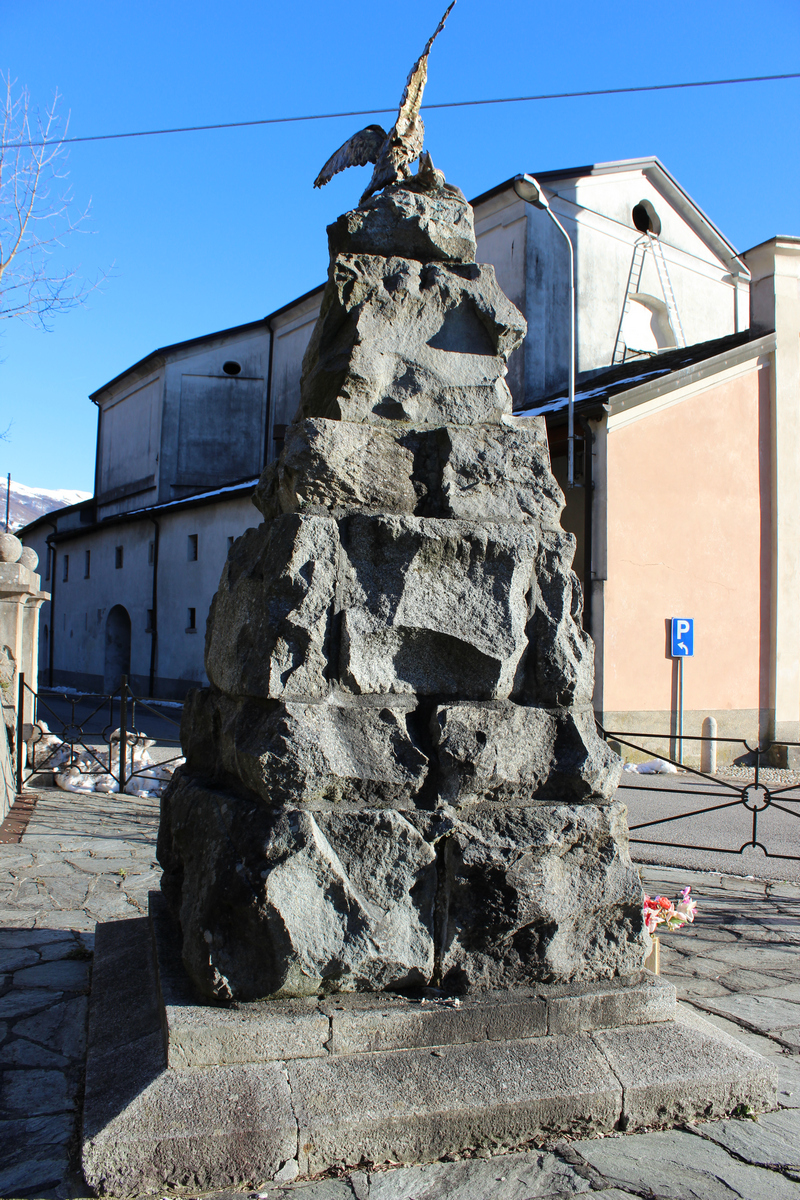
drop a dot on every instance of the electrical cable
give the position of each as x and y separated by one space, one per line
369 112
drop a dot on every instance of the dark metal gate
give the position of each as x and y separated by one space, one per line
759 796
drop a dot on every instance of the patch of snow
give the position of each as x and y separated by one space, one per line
28 503
563 401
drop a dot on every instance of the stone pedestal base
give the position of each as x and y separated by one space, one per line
182 1094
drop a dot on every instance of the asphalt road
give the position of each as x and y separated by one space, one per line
712 840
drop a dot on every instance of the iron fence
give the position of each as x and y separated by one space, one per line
59 744
755 795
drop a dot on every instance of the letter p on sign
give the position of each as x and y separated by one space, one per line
682 637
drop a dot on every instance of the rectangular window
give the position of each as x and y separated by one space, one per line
66 567
192 547
87 564
192 626
118 556
230 543
149 628
151 553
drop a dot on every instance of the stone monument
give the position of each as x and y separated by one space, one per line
395 778
398 918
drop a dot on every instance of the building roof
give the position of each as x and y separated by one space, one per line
660 176
647 376
164 351
232 491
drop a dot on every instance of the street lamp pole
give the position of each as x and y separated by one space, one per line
531 192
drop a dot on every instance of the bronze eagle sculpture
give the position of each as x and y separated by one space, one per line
392 152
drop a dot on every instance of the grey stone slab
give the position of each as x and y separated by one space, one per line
771 1141
36 1091
58 950
50 1130
580 1008
36 1172
13 960
363 1023
416 1104
61 1028
146 1126
21 1053
504 1177
198 1128
679 1070
680 1166
22 1001
68 976
784 991
788 1081
754 1041
767 1013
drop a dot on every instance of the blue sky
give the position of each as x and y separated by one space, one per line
207 230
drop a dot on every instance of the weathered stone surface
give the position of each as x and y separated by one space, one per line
270 618
435 607
400 644
402 340
560 664
510 754
532 1176
312 755
771 1141
538 894
485 472
341 465
683 1167
61 1028
430 226
415 1106
657 1067
283 902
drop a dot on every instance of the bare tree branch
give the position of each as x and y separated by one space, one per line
36 212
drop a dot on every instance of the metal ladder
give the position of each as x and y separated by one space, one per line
648 241
666 288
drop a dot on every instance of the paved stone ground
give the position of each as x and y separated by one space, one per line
85 859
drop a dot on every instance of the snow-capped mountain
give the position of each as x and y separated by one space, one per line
28 503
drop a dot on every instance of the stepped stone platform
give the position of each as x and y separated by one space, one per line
182 1094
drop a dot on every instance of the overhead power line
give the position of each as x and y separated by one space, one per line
371 112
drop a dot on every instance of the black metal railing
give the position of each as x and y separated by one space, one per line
754 795
69 742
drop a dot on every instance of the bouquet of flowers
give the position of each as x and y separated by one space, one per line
661 911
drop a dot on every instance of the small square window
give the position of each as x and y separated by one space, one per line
230 542
118 557
192 547
192 618
151 553
87 564
66 567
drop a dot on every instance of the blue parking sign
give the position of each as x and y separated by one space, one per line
682 637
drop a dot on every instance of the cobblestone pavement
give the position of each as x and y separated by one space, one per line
91 858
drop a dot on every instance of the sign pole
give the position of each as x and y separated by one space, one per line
680 711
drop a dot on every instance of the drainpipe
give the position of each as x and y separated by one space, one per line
154 620
51 553
268 406
588 499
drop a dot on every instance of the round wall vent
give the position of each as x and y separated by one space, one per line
231 368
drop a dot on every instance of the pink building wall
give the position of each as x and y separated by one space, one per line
688 534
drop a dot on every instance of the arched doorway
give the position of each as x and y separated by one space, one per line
118 647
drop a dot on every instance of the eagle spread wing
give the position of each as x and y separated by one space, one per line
362 148
393 152
415 84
